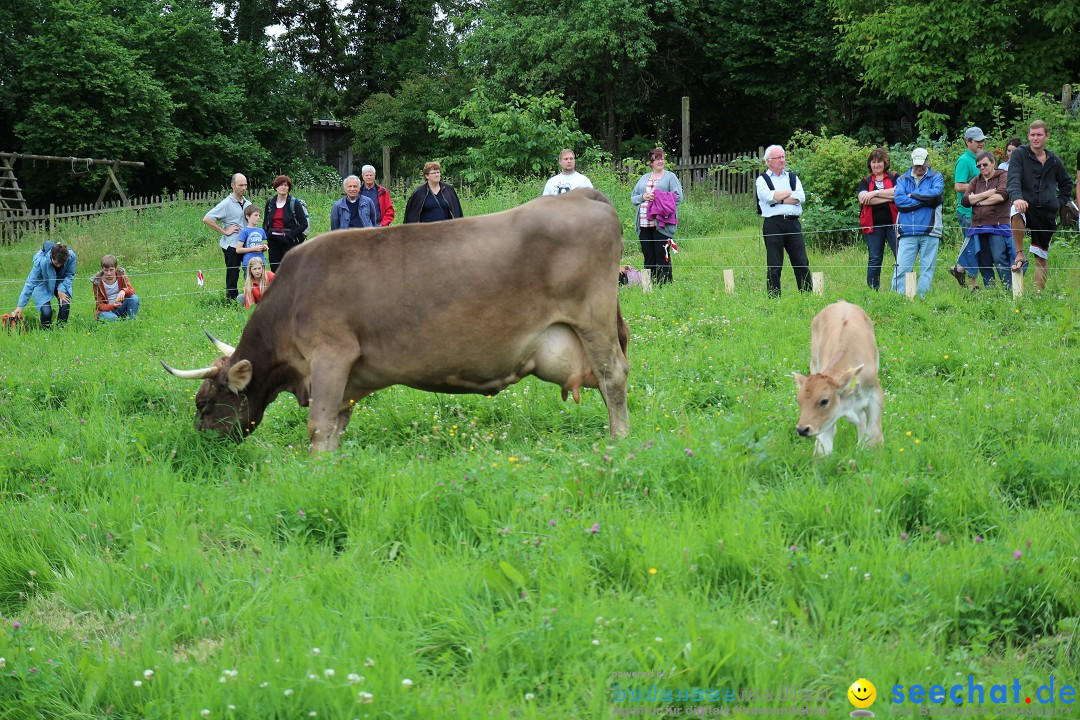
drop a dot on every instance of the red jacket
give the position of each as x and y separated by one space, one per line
101 298
386 206
256 293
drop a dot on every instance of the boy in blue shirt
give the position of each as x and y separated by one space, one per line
251 241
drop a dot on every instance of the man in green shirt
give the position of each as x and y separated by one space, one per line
967 263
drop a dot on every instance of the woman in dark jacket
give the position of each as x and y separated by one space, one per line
434 200
284 220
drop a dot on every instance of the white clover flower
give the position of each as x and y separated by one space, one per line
264 684
315 651
231 706
407 683
312 714
3 663
365 697
658 639
355 679
205 713
312 676
595 641
328 672
231 674
530 696
369 663
288 692
148 674
221 679
138 683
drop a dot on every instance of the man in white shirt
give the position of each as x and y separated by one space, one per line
567 180
780 197
227 219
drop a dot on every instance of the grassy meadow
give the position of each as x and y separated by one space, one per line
502 557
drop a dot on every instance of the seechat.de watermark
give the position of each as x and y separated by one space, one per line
972 698
711 701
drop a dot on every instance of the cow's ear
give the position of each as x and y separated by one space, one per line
799 379
849 380
239 376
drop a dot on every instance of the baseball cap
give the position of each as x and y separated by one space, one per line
974 133
918 156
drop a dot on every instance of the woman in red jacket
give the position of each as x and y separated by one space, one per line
877 215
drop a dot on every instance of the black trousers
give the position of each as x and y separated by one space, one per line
782 234
232 271
652 247
278 246
47 311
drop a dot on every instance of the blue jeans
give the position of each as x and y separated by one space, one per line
966 259
926 247
128 309
875 243
1002 256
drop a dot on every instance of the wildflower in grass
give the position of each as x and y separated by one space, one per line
205 713
231 673
652 571
1017 554
315 651
904 536
689 452
355 679
312 676
658 639
552 522
908 433
978 538
369 663
16 625
595 641
866 577
300 512
148 674
288 692
313 714
138 683
365 697
794 548
407 683
595 529
328 672
3 663
231 706
529 696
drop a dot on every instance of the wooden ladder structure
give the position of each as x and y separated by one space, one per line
12 201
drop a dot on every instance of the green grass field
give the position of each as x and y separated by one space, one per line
506 556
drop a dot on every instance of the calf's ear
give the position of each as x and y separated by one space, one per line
799 379
849 380
239 376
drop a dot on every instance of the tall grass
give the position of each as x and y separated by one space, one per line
503 553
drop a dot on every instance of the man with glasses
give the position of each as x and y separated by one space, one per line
1038 187
967 264
780 197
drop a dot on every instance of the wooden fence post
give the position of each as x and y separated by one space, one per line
52 221
817 281
729 282
910 284
1018 284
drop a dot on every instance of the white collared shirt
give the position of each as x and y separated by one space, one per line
780 182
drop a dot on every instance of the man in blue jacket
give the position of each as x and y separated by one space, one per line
918 197
51 276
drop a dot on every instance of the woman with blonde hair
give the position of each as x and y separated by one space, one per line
256 280
434 200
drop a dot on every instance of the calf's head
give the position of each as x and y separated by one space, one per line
822 399
221 402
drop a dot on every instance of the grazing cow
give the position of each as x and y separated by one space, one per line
843 380
471 305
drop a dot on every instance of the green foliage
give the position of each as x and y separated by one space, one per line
310 172
515 138
957 55
1063 126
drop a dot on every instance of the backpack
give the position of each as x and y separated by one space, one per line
307 216
768 181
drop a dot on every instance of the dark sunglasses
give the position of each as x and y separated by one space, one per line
983 165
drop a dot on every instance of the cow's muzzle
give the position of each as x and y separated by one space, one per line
803 430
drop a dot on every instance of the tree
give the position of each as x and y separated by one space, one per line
88 92
508 139
593 52
958 57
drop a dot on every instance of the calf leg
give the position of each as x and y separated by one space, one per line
875 406
824 443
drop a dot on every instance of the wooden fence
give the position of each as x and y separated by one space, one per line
727 175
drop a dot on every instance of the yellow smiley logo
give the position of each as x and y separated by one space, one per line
862 693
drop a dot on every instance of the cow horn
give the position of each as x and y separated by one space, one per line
192 374
226 350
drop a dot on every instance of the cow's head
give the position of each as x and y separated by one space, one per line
221 403
822 399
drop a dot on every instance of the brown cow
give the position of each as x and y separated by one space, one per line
471 305
844 378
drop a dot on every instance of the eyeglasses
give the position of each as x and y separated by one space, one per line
983 165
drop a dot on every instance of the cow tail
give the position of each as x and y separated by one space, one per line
622 328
